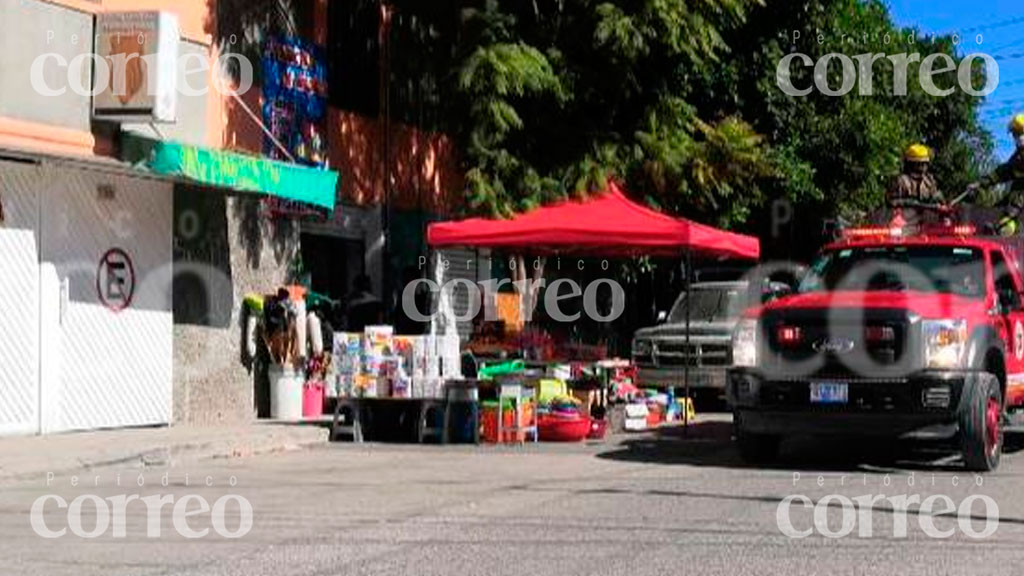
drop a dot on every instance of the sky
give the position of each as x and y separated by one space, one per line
1001 26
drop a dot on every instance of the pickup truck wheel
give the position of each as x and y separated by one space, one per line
758 448
755 448
981 429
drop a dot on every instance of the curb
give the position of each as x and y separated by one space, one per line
262 439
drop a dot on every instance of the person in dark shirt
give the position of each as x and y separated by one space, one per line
1013 169
364 309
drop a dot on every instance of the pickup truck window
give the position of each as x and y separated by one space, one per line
931 269
709 304
1009 299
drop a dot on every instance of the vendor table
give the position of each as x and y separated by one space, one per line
362 415
361 421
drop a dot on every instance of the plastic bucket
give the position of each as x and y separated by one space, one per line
285 392
598 428
489 421
313 399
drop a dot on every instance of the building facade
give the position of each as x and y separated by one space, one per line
121 287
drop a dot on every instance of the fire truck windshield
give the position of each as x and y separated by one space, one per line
935 269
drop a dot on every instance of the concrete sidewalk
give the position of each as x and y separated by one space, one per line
29 456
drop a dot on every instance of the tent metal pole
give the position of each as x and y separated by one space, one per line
688 356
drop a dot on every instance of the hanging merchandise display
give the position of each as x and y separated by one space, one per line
294 107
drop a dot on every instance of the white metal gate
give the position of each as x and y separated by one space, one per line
85 337
115 322
19 299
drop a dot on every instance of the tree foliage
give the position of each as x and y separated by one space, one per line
850 146
680 99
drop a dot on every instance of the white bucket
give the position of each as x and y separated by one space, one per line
285 392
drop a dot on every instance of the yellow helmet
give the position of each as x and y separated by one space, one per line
918 153
1017 125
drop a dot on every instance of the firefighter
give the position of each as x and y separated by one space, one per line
1013 170
915 184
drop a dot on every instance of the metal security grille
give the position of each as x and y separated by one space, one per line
115 367
19 300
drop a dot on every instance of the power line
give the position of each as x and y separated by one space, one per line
997 115
1009 45
993 105
994 25
1003 100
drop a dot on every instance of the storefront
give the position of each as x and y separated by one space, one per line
229 241
94 277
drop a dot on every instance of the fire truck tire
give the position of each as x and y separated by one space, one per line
981 430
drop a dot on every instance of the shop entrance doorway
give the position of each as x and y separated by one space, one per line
333 263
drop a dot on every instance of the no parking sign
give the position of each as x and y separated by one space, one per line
115 280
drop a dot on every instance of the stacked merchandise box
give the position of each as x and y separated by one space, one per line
450 357
401 359
426 367
377 363
348 365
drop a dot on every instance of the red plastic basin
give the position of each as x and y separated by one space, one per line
556 429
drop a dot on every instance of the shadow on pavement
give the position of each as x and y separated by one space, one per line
709 443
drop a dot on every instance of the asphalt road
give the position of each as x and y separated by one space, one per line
650 504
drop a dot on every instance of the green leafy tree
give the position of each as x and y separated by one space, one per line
681 100
847 149
562 96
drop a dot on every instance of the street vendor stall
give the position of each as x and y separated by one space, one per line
604 224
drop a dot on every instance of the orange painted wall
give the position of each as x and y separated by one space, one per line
424 167
194 16
20 134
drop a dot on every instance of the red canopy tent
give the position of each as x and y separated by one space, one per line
608 223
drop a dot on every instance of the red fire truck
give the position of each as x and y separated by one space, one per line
893 333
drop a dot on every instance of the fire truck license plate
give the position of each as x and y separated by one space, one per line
830 393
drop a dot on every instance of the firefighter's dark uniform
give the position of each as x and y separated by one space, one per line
919 187
1011 171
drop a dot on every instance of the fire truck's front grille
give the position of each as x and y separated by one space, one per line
877 343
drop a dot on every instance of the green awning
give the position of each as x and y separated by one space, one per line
225 169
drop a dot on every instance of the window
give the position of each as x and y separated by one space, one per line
929 269
710 304
1006 289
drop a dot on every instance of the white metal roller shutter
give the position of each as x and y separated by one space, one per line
19 300
115 366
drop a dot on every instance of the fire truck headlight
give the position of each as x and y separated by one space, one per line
945 343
